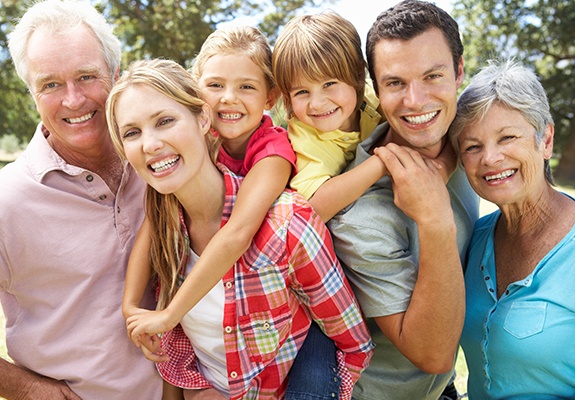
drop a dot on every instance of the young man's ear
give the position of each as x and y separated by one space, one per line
460 72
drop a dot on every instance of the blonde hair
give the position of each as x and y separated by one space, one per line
169 245
315 47
242 40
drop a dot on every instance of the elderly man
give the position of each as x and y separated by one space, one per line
69 210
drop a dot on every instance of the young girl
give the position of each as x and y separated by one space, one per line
233 69
244 336
320 71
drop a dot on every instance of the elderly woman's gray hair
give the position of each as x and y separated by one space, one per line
511 85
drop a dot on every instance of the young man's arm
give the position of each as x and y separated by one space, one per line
428 332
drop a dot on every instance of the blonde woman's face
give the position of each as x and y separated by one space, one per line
163 140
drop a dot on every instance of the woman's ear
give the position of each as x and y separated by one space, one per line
548 141
205 118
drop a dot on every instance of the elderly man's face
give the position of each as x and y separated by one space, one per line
70 82
417 89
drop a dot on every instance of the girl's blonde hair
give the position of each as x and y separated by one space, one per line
243 40
316 47
168 246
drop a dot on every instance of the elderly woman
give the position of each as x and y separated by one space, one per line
520 275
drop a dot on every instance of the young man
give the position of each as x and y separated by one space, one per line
403 240
70 210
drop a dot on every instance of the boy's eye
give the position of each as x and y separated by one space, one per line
299 92
328 84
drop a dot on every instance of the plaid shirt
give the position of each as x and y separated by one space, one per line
289 276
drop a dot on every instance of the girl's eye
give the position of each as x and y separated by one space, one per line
299 92
249 87
214 85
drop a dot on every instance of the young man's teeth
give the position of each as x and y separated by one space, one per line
164 164
83 118
421 119
230 116
501 175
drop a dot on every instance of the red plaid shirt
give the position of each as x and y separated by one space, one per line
289 276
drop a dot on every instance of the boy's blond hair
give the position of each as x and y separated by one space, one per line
316 47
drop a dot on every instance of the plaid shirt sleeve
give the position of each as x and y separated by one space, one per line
320 284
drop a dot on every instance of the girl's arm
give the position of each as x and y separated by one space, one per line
138 271
260 188
340 191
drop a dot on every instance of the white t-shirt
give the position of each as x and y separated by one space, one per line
203 326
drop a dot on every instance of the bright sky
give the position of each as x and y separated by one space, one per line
361 13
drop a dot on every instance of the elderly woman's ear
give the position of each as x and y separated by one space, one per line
548 141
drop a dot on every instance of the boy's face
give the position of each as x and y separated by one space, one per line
325 105
417 89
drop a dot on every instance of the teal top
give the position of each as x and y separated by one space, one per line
520 346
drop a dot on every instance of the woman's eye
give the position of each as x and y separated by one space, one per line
130 133
166 120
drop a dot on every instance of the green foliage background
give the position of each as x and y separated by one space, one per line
541 33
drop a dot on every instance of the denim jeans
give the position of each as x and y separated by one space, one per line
314 372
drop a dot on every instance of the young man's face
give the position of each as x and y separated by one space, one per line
417 89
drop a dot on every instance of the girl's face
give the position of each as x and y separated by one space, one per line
326 105
501 158
163 140
237 92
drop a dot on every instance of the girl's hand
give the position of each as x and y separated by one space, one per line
147 324
151 347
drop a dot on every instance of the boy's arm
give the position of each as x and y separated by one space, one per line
260 188
340 191
138 271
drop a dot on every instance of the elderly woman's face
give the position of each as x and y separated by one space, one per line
501 158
